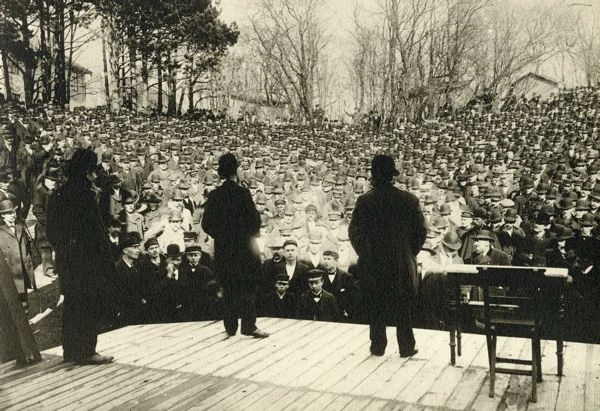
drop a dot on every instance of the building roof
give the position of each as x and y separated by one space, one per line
80 69
538 77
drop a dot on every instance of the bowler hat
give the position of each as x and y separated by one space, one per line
173 251
484 235
132 239
6 206
451 240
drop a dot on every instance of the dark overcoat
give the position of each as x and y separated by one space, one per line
387 231
231 219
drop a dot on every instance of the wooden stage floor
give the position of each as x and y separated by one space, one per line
304 365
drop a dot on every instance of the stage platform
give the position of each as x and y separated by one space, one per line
304 365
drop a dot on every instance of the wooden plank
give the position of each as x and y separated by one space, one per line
181 391
339 403
48 364
592 378
306 399
377 404
63 383
271 398
253 398
206 355
159 384
280 347
193 393
359 404
289 398
297 353
324 365
237 398
467 388
358 374
85 394
227 390
321 402
518 393
441 389
334 374
174 345
245 346
26 389
320 350
511 348
571 391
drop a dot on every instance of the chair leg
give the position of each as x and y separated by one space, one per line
559 356
459 341
491 343
452 346
539 358
534 370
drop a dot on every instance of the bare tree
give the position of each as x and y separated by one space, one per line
289 35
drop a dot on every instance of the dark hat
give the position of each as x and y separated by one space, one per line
383 166
331 253
280 201
582 205
480 212
565 203
228 165
588 220
282 277
496 216
315 273
190 235
194 248
132 239
129 196
564 233
150 242
484 235
175 215
451 240
510 215
543 219
6 206
173 251
466 214
290 242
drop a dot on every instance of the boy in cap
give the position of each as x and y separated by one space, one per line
280 302
202 283
316 303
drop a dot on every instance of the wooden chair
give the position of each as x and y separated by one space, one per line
519 313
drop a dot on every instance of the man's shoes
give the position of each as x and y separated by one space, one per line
96 359
378 351
258 334
409 354
231 333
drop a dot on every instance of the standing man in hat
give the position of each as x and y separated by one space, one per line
387 231
13 248
231 218
83 258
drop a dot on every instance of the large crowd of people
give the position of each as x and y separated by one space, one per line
514 187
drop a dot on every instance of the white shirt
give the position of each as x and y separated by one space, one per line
315 259
331 277
290 269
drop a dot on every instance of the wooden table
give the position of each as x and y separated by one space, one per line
462 274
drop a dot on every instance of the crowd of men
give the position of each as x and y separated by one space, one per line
513 187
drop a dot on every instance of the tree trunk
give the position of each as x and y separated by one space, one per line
159 74
171 87
45 55
6 72
60 93
190 91
105 64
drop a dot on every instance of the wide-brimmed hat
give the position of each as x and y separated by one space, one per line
451 240
6 206
484 235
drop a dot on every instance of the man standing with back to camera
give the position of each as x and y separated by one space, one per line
387 231
83 258
231 218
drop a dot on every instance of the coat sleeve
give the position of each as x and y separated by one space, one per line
356 230
418 229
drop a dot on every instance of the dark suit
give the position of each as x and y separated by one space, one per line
326 309
387 231
345 291
231 218
170 296
299 279
285 307
128 292
200 296
83 261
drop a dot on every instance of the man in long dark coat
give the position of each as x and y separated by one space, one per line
387 231
83 258
231 218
